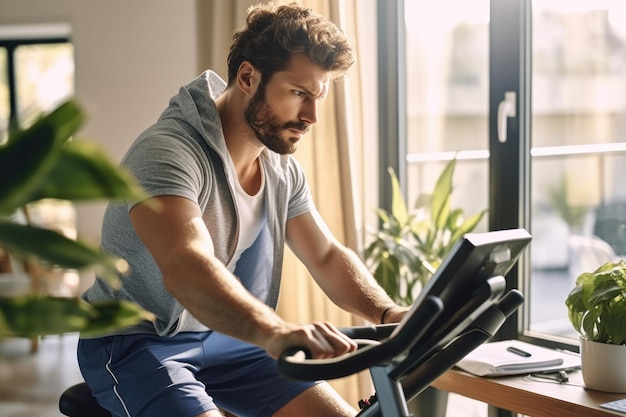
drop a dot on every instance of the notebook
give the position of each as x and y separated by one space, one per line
514 357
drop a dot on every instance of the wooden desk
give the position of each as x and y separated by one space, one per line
531 398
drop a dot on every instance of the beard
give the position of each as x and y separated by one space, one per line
268 128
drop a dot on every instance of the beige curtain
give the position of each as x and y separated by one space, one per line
217 21
332 156
329 156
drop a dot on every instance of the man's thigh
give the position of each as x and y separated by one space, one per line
199 372
244 379
319 400
144 375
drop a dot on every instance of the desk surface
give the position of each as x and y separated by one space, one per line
530 397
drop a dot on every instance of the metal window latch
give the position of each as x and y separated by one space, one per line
506 109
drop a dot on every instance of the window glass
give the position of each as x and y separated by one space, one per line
4 97
578 155
44 78
447 63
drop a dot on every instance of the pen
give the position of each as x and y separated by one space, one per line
517 351
568 352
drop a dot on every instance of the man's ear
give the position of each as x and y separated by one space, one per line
247 77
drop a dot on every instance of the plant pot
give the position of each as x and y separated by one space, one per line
603 366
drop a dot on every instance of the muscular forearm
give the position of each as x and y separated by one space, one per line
346 280
217 299
183 250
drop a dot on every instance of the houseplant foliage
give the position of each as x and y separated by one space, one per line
597 308
597 304
410 245
41 162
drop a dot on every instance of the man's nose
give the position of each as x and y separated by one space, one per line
308 113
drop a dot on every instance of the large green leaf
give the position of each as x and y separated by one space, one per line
40 162
51 247
597 307
440 203
85 172
31 316
114 315
410 246
599 289
615 329
398 206
29 155
386 272
466 227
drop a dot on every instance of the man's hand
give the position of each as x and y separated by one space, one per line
321 339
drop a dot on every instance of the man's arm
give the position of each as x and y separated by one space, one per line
181 245
339 271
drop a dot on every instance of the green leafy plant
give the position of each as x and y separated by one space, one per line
573 216
597 304
41 162
410 245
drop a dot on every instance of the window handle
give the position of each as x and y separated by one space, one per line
506 109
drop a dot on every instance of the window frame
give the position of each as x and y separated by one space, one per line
14 36
510 37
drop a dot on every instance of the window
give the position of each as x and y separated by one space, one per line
578 150
5 105
447 108
37 72
36 75
555 167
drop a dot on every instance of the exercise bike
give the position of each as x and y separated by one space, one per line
462 306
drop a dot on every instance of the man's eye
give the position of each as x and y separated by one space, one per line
299 93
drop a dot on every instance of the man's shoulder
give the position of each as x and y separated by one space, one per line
282 165
210 82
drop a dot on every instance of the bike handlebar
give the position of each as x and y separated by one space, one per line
301 366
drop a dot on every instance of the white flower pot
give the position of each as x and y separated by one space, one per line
603 366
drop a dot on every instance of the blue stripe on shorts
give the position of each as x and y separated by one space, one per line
184 375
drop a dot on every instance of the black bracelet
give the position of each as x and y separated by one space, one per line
382 316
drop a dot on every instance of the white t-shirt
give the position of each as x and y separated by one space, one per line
251 218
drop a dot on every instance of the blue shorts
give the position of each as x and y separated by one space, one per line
184 375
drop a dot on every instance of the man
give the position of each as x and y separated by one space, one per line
206 249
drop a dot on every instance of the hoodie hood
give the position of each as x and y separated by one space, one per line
195 104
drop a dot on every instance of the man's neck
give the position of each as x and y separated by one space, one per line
243 146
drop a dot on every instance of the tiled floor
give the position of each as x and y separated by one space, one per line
30 384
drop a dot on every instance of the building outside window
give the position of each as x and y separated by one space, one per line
558 168
566 64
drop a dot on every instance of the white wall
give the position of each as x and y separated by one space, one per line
131 57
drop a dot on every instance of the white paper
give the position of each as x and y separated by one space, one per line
493 359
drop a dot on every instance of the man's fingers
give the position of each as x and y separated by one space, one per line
331 341
322 340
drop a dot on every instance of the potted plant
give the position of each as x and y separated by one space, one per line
408 248
41 162
410 245
597 310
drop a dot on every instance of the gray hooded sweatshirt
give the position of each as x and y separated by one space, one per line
184 154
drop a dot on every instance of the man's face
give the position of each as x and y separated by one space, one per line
281 111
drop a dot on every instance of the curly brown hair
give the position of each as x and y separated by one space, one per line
272 34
